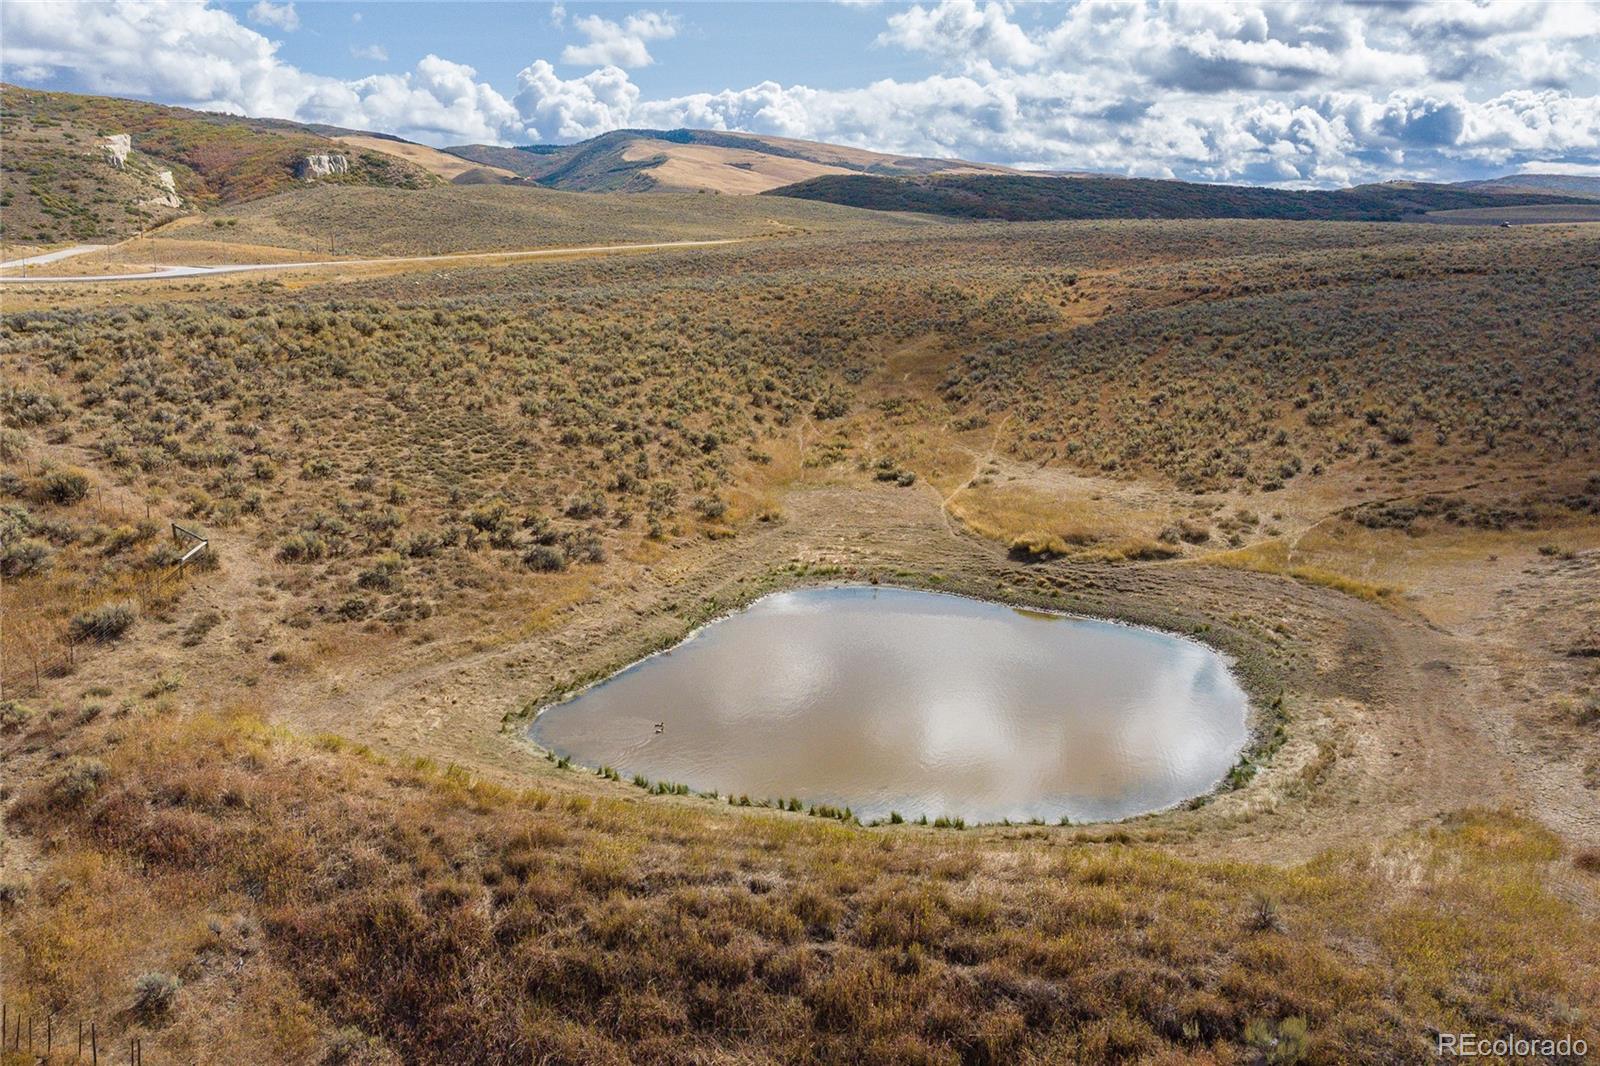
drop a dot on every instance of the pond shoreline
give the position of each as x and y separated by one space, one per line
1261 681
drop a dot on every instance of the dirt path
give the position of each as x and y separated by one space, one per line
236 268
978 463
55 256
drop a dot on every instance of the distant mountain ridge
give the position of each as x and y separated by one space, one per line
640 160
85 168
1018 198
1568 184
644 160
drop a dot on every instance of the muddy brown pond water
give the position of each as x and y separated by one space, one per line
885 699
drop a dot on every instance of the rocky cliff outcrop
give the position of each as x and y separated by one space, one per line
324 165
116 148
168 196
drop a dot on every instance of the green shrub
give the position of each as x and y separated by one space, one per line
105 623
66 486
303 547
383 575
13 442
26 556
355 608
1280 1044
545 558
14 714
154 993
421 545
81 779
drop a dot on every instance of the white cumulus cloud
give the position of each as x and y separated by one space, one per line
619 44
574 108
283 16
964 32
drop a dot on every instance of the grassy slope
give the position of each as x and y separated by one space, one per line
440 164
442 919
57 183
1285 365
1523 215
1573 184
1020 198
354 221
515 160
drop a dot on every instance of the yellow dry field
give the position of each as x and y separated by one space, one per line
725 170
143 254
855 158
1079 515
1447 576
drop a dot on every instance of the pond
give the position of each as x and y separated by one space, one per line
921 703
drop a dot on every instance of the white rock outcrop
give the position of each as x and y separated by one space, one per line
116 148
168 196
321 166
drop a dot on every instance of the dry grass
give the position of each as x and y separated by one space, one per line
310 889
692 167
1076 520
1272 557
384 458
345 221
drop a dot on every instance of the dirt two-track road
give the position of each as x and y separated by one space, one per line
168 272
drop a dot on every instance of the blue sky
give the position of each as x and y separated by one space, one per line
1293 92
822 45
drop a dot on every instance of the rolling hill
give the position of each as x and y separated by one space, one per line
368 221
91 167
82 168
1018 198
454 169
1566 184
695 160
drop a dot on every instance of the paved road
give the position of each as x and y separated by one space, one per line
51 257
235 268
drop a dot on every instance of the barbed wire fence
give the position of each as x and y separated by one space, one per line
33 1036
